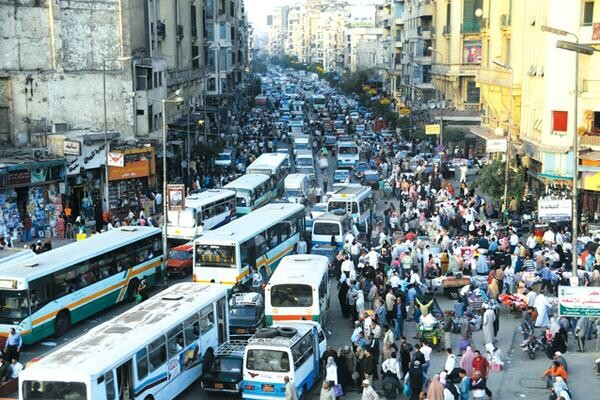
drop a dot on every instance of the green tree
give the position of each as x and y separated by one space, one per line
490 182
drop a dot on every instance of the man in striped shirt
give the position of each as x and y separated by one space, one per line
529 264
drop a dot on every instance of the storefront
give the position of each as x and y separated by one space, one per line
34 188
130 186
590 185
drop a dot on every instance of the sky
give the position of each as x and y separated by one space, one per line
259 9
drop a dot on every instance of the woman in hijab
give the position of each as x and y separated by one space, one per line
466 361
331 372
404 357
493 289
343 299
436 389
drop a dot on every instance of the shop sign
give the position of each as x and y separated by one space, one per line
580 301
495 146
554 210
19 177
432 129
71 148
132 169
116 159
176 197
591 181
92 157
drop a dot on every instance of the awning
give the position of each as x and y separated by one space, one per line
550 177
590 155
26 165
493 142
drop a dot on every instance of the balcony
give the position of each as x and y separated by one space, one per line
455 69
505 21
592 86
590 139
440 69
177 77
425 8
470 27
398 21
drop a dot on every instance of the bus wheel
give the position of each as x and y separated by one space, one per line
132 287
62 323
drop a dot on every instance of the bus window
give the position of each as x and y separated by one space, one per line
207 319
336 205
175 343
141 363
267 360
302 351
157 353
291 295
355 207
327 228
191 329
109 382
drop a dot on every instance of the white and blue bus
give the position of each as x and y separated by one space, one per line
318 102
336 224
43 295
274 165
257 240
203 211
252 192
151 351
356 200
292 349
348 154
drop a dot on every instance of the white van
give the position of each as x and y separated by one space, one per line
337 223
224 159
296 188
301 143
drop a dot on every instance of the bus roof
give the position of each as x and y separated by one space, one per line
113 342
333 216
208 196
246 227
300 269
347 144
73 253
14 253
247 182
294 179
267 160
351 191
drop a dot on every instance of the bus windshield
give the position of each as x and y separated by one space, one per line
305 162
215 255
267 360
291 295
293 193
348 150
54 390
326 228
14 306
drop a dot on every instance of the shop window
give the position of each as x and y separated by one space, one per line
588 13
596 126
559 121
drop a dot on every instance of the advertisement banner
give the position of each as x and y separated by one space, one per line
554 210
472 52
116 159
176 197
133 169
580 301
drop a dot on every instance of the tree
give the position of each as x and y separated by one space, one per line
452 137
491 182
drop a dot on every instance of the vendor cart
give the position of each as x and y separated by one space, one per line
452 285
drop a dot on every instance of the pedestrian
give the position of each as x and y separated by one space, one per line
581 332
478 386
489 316
465 384
415 379
291 392
555 370
12 347
466 361
436 389
368 393
481 369
327 392
331 372
26 233
60 227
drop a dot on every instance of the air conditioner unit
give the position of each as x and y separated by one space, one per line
60 127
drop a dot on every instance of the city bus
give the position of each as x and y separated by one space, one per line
152 351
298 289
255 241
336 224
356 200
43 295
347 154
273 165
318 102
203 211
252 191
293 349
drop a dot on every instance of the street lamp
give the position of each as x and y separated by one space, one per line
106 149
578 49
175 99
509 138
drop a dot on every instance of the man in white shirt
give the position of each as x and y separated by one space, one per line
392 366
426 350
548 237
415 279
531 242
373 258
394 280
347 266
15 369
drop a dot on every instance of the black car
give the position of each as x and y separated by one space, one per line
246 313
225 374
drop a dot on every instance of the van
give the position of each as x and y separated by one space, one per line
296 188
301 143
224 159
336 224
305 164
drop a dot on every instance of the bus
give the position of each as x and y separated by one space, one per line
252 191
273 165
292 349
298 290
45 294
203 211
318 102
356 200
347 154
255 241
152 351
336 224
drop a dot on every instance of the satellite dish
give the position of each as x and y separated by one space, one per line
499 131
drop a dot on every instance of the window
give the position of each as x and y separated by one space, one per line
191 329
175 343
559 121
157 353
207 319
588 13
596 126
302 351
267 360
211 84
472 92
141 363
110 385
291 295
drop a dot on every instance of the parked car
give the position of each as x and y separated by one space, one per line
180 260
224 159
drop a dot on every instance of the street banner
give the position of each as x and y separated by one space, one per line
554 210
580 301
432 129
176 197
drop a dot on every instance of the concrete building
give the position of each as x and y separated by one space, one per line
364 46
278 30
393 31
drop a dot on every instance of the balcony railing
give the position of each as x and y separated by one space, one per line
176 77
470 27
589 140
454 69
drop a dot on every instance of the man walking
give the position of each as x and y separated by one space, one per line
291 392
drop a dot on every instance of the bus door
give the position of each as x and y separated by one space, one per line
323 301
316 353
221 321
124 381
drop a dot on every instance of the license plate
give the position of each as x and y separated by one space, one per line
218 386
241 331
267 388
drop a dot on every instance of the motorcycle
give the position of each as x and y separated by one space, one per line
531 345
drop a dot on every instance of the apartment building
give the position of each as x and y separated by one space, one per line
393 28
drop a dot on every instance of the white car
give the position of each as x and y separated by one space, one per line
224 159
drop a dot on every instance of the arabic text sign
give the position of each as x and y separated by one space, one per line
432 129
71 148
554 210
579 301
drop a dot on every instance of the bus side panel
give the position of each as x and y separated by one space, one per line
94 306
274 256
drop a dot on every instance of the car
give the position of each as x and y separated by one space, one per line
225 373
371 178
341 176
359 169
224 159
246 314
180 260
354 115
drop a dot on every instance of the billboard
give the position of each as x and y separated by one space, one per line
362 16
579 301
472 52
554 210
